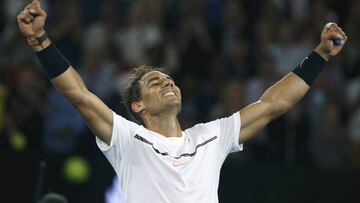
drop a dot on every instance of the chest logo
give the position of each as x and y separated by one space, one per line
178 163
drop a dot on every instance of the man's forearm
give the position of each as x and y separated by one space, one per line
289 90
70 85
285 94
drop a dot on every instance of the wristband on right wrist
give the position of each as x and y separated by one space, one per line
52 61
310 68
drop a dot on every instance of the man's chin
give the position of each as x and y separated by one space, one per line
173 100
176 105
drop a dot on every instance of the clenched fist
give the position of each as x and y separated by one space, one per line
32 20
331 37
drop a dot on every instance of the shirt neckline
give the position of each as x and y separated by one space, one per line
165 138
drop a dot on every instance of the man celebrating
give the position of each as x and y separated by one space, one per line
158 161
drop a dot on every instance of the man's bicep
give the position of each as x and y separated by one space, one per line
98 116
253 118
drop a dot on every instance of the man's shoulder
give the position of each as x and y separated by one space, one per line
213 125
118 119
205 127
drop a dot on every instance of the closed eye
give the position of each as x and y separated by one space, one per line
154 84
153 81
156 81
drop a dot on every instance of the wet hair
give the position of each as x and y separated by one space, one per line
131 91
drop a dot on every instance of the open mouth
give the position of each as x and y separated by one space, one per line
166 94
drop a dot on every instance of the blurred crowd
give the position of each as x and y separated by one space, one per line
222 53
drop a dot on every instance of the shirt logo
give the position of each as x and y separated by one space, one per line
178 163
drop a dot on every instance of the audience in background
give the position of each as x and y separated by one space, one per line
222 53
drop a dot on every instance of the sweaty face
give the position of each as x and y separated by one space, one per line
159 93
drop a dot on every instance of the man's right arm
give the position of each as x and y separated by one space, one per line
98 116
64 77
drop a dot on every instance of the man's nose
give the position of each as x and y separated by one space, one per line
168 82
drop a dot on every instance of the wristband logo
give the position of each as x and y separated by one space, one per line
303 61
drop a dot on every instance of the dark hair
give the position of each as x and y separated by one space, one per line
54 198
131 91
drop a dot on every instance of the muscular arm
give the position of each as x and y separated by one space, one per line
279 98
97 115
275 101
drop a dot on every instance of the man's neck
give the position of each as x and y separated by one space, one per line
167 126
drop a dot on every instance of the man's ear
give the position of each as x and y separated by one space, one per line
137 107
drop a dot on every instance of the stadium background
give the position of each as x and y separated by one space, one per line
223 54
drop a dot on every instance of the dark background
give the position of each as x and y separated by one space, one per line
223 54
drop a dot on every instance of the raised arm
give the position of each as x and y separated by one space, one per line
63 76
282 96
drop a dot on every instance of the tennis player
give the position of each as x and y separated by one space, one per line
158 161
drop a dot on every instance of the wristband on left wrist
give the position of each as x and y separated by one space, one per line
310 67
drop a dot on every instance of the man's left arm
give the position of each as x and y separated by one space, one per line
282 96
